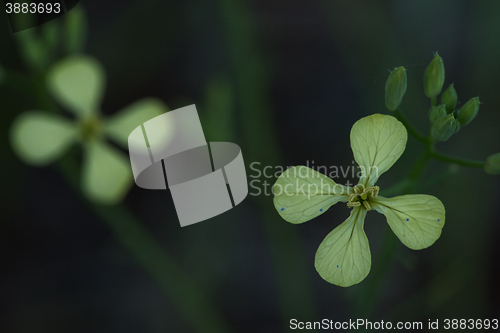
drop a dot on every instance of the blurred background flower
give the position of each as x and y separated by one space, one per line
77 83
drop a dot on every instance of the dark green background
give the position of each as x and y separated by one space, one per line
297 75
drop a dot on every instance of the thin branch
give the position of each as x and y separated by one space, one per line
412 130
457 160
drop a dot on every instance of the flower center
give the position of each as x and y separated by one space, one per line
90 128
362 196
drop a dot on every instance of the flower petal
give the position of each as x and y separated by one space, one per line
301 194
77 83
40 138
417 219
343 258
125 121
106 174
377 142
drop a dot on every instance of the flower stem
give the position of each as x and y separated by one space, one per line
429 145
406 186
192 303
196 309
457 160
412 130
386 253
419 166
172 280
294 289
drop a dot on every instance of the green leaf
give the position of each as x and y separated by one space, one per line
33 49
377 142
219 119
301 194
75 31
77 82
124 122
50 37
40 138
343 258
416 219
106 174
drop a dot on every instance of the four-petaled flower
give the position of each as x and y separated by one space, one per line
39 138
343 258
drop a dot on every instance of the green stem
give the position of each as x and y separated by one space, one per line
412 130
434 101
427 142
195 307
295 294
457 160
41 92
388 249
419 166
386 254
373 289
172 280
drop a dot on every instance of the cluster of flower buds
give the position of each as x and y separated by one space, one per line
446 119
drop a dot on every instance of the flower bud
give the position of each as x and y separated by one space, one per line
437 112
492 165
434 77
395 88
444 127
458 126
469 111
449 98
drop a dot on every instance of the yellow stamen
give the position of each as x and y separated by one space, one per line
362 195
